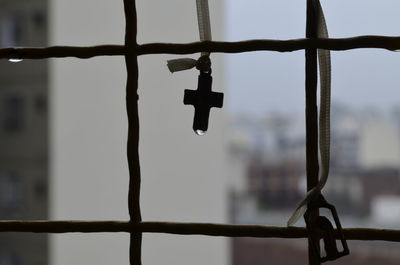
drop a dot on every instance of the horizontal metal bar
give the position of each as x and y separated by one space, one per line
206 229
381 42
62 52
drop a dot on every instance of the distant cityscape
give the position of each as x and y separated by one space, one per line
267 167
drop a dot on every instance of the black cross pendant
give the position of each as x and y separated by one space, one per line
203 99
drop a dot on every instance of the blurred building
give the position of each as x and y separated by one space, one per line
256 251
364 139
363 184
63 135
23 132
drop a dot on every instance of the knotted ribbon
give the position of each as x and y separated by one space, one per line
203 63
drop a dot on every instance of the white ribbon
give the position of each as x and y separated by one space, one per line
324 59
203 18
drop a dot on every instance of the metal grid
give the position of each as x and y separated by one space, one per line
131 50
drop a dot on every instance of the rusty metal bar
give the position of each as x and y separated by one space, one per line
206 229
311 114
339 44
131 60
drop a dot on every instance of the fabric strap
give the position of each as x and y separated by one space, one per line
324 59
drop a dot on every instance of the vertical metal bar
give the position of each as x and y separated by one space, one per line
311 113
133 128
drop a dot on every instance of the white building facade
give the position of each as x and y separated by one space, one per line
74 162
182 174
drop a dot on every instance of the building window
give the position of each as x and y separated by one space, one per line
9 259
39 19
11 31
13 113
11 192
40 104
40 190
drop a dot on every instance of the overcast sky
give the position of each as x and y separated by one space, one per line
267 81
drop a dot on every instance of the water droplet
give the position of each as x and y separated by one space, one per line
200 132
15 60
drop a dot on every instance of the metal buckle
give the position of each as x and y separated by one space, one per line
321 228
